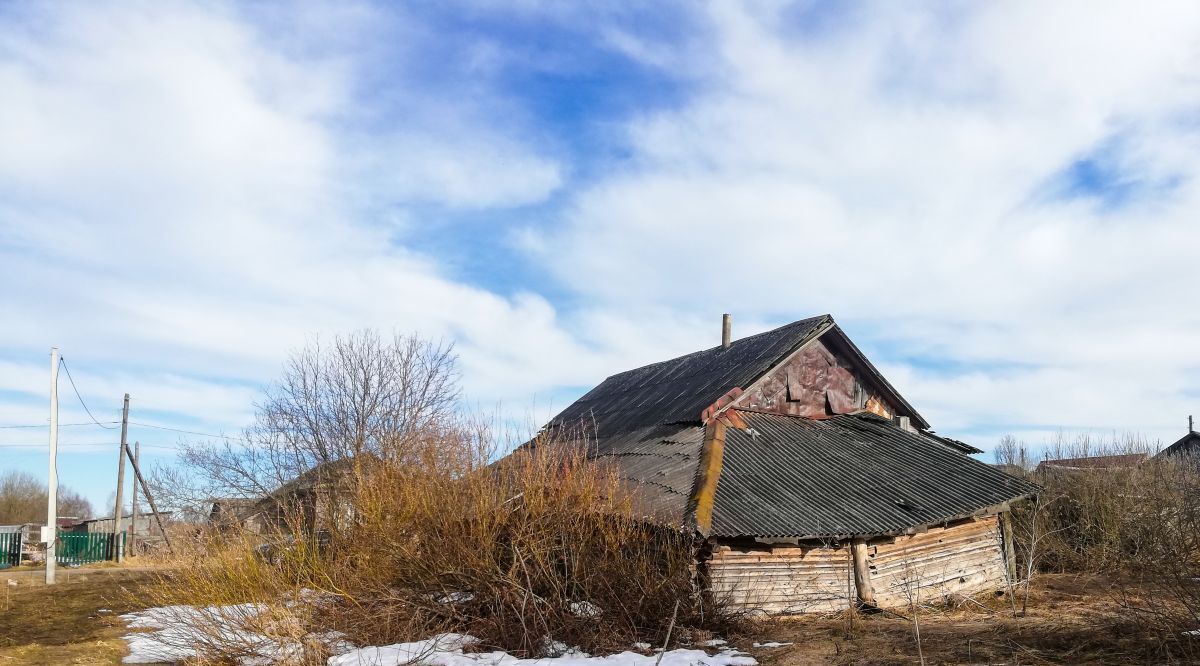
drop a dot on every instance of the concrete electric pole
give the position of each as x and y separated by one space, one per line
50 534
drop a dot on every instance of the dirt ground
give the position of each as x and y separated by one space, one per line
73 622
1070 620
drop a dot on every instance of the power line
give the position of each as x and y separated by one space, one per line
187 432
63 362
47 425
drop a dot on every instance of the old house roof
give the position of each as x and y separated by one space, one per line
846 476
677 390
781 476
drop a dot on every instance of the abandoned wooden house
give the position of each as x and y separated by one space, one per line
309 502
811 483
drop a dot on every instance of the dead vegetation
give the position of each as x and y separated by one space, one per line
1072 619
539 550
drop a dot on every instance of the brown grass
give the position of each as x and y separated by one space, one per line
516 554
62 624
1072 619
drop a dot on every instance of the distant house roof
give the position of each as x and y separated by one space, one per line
1188 444
1095 462
678 390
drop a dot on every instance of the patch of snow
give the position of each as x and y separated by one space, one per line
447 650
585 609
716 642
456 598
641 646
771 644
179 630
1193 632
103 610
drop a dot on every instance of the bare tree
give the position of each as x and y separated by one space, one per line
362 396
1012 453
23 500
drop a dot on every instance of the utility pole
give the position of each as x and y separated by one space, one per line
117 554
50 533
137 458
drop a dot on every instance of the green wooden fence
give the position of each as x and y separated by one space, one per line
85 547
10 549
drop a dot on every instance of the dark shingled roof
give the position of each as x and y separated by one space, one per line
851 475
676 391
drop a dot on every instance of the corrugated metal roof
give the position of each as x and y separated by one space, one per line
659 465
676 391
845 476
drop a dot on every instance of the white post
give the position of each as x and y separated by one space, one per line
52 481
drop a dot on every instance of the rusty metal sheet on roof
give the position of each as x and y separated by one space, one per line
676 391
850 475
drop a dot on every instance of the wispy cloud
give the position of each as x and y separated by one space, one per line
995 200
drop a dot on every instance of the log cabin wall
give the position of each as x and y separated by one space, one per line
816 382
782 579
961 559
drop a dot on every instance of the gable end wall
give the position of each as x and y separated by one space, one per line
814 383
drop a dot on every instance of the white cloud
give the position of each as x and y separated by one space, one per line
893 171
181 194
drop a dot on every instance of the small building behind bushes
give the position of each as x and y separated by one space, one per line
810 483
314 497
1093 463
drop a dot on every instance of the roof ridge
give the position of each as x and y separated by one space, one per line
706 350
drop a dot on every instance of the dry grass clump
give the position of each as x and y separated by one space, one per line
540 551
1138 525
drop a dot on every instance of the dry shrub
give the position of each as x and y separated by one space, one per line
1137 525
542 547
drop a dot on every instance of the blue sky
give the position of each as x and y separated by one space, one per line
995 201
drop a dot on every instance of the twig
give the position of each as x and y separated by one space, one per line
670 628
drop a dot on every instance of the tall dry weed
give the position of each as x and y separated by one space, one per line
541 550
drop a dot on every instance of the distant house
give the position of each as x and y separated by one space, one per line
1122 461
313 499
809 481
145 527
1188 445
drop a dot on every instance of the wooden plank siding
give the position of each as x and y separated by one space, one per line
782 579
961 559
966 558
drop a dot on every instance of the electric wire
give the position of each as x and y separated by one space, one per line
187 432
63 362
47 425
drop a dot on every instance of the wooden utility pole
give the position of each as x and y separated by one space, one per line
150 500
137 458
50 533
118 553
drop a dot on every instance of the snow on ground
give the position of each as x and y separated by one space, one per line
447 650
178 630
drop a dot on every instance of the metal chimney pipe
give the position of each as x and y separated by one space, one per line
726 331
